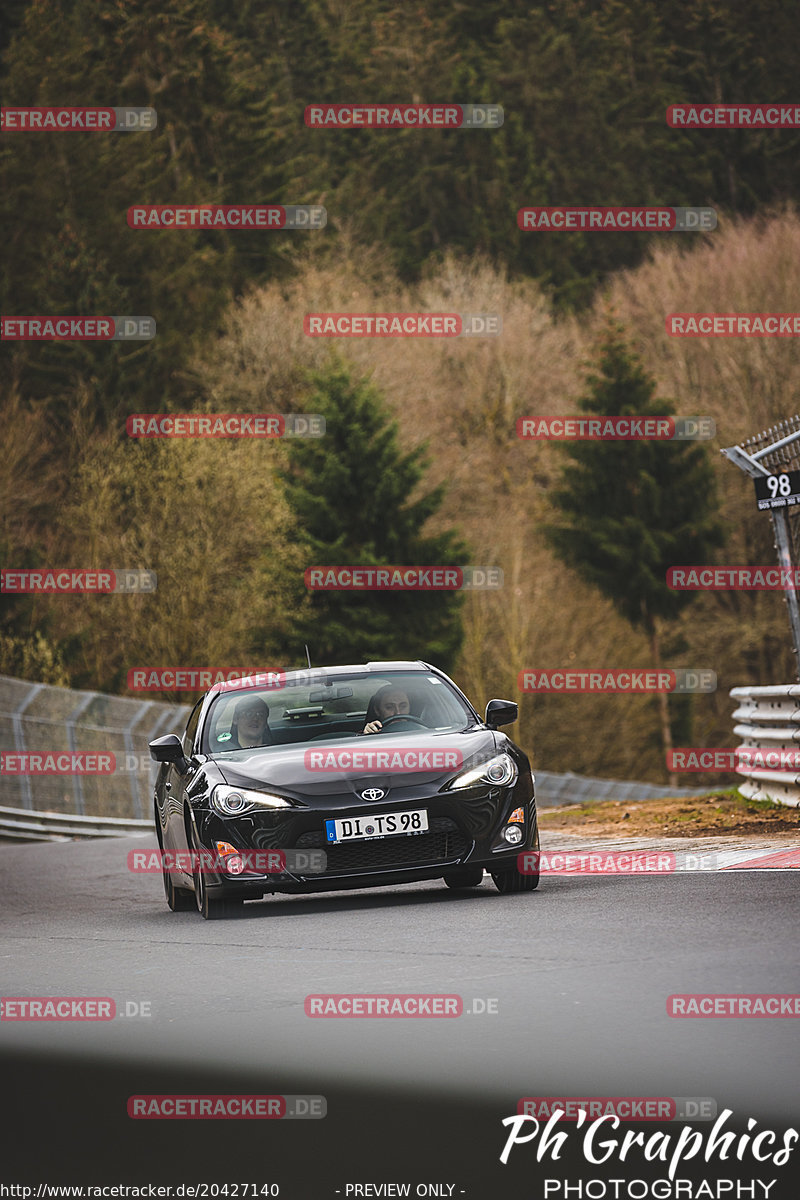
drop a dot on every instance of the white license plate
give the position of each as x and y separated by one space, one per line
376 825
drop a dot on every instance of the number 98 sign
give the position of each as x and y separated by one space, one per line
778 491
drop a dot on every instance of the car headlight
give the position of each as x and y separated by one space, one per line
233 801
499 771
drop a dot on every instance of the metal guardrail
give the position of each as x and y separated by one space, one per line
36 717
769 719
21 825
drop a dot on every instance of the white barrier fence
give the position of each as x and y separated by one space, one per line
768 718
37 718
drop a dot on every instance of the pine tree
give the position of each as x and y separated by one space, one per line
64 196
630 510
356 499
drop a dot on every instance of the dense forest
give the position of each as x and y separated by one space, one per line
423 431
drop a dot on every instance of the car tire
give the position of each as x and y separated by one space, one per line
178 899
470 877
210 908
511 883
217 910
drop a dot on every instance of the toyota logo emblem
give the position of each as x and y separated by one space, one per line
373 794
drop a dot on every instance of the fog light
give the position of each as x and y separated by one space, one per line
230 858
513 834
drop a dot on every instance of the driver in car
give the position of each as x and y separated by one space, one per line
388 701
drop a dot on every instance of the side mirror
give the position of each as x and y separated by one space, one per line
501 712
169 749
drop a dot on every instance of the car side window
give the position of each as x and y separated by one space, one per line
191 728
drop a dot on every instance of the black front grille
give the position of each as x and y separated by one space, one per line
442 843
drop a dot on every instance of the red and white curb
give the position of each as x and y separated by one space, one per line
778 860
691 854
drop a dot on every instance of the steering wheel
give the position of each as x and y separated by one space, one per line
402 717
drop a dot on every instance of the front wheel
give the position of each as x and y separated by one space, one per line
210 908
511 883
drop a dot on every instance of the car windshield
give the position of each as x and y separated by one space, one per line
332 707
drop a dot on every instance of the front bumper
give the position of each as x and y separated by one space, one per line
465 830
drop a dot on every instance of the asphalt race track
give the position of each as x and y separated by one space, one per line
578 973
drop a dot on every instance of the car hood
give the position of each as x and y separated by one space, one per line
343 767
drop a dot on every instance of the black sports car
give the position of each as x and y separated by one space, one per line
340 777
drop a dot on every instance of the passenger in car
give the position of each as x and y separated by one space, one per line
250 725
